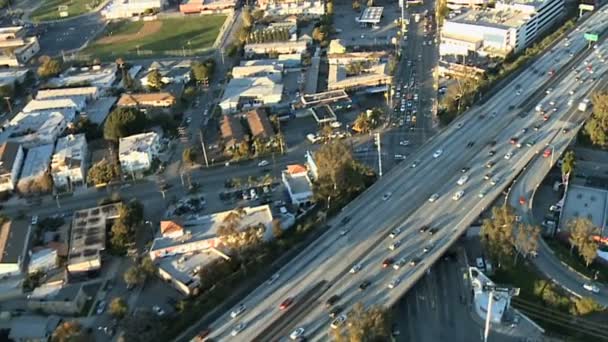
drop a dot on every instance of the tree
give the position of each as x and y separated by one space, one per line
202 72
118 307
362 124
134 276
142 326
188 156
597 125
258 14
155 80
318 34
123 122
102 172
84 125
247 18
497 233
365 325
277 230
568 163
526 240
147 266
49 67
582 233
69 331
585 305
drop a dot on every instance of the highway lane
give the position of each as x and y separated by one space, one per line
259 316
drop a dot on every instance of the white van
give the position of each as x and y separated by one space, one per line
312 138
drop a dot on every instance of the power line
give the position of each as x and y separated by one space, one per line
557 312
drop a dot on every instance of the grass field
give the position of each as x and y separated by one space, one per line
165 37
48 9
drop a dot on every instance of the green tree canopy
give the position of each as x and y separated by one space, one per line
123 122
569 163
597 125
155 80
497 233
118 307
69 331
102 172
582 233
134 276
365 325
49 67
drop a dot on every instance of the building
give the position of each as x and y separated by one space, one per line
310 8
374 75
207 6
147 100
69 163
481 297
232 132
43 260
299 47
182 270
14 241
170 71
35 167
33 328
10 77
259 125
88 237
353 57
298 184
259 70
57 299
246 93
118 9
584 202
510 26
89 93
445 68
39 128
102 77
98 110
136 152
11 160
311 165
75 102
371 15
17 49
457 4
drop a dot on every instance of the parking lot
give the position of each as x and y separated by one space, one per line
353 33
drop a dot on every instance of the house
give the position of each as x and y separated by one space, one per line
75 102
90 93
232 132
37 128
147 100
258 70
259 125
57 299
69 163
17 49
136 152
13 247
102 77
251 92
11 160
276 47
298 184
118 9
33 328
35 166
170 71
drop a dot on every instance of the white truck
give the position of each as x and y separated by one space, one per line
584 104
417 17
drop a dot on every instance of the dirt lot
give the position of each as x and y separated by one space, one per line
149 28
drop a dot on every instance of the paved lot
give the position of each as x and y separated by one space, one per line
354 34
64 36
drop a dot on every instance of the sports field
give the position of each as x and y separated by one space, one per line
49 9
164 37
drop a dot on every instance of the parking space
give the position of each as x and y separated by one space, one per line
354 33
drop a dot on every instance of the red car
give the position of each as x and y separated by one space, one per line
551 72
547 153
387 262
286 303
522 200
514 140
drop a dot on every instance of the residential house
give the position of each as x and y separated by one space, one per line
35 167
16 49
259 125
13 246
11 160
232 133
69 163
298 185
37 128
10 77
102 77
170 71
147 100
136 152
90 93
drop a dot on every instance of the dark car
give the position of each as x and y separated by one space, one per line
332 300
345 220
424 228
465 169
414 261
387 262
492 152
334 313
286 303
433 231
365 284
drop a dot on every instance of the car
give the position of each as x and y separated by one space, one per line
462 180
286 303
415 261
492 152
238 328
400 157
394 283
433 231
404 142
273 279
335 311
482 193
332 300
101 307
345 220
508 155
428 248
296 333
490 164
433 197
513 140
34 220
487 176
263 163
437 153
530 142
465 169
399 263
394 245
458 195
239 310
365 284
394 233
547 153
492 143
470 144
424 228
414 164
495 180
355 268
386 196
537 127
158 311
591 288
548 91
338 321
387 262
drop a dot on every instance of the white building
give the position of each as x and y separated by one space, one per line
242 94
38 128
43 260
75 102
510 26
289 7
456 4
69 163
13 244
299 47
11 159
99 76
136 152
259 70
298 184
170 71
36 164
90 93
481 297
131 8
16 49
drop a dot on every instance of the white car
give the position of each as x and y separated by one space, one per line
338 321
394 283
263 163
463 180
433 197
508 155
437 153
239 310
394 245
158 310
394 233
495 180
404 142
273 279
458 195
355 269
296 333
238 328
386 196
482 193
34 219
591 288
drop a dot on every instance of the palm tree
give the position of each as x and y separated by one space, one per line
362 124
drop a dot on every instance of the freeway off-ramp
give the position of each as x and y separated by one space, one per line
332 255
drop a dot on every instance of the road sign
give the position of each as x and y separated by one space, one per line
592 37
586 7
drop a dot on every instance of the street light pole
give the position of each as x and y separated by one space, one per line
378 143
488 315
203 146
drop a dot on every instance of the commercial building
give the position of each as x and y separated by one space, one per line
371 15
375 75
35 167
16 49
584 202
102 77
259 125
88 237
43 260
170 71
510 26
310 8
147 100
89 93
136 152
299 47
39 128
246 93
207 6
10 77
11 160
459 70
14 242
298 184
69 163
481 297
232 133
259 70
57 299
75 102
182 270
353 57
457 4
33 328
132 8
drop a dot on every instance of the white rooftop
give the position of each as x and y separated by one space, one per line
65 92
75 102
138 142
37 161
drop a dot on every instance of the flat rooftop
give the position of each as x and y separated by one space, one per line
323 113
12 241
586 202
372 15
299 184
37 161
503 18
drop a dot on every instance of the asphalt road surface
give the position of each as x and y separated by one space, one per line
372 218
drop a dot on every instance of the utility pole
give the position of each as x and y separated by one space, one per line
203 146
494 289
489 313
378 143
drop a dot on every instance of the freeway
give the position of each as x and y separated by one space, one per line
370 218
